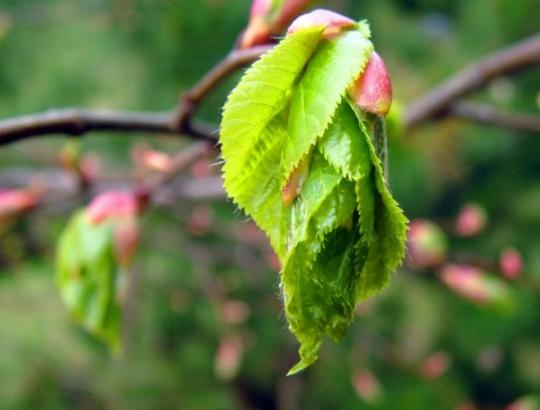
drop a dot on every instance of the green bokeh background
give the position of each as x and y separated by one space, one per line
139 55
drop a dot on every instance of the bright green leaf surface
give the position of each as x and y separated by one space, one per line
387 249
330 72
262 93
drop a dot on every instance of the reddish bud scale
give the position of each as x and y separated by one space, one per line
114 204
511 263
121 209
472 220
435 365
367 386
476 285
15 201
294 185
260 8
427 245
372 92
333 23
467 281
267 20
289 10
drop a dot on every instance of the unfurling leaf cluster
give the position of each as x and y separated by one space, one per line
93 258
305 163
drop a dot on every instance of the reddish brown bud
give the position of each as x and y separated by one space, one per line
472 220
427 245
16 201
228 357
476 285
294 185
372 92
269 18
333 23
367 386
113 204
120 209
435 365
511 263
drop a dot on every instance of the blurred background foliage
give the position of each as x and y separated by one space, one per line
208 330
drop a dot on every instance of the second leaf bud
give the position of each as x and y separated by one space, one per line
372 92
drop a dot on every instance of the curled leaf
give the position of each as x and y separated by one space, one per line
305 163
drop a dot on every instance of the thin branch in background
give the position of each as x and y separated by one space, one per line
491 116
436 102
77 122
236 59
178 164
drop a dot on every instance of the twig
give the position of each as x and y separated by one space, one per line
437 101
488 115
183 159
236 59
77 122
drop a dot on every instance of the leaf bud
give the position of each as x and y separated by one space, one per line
16 201
333 23
427 245
511 263
471 220
372 92
121 210
476 285
269 18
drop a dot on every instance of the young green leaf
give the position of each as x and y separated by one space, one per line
387 249
332 69
262 93
87 274
253 132
301 161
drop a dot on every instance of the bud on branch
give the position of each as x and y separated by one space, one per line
269 18
372 92
121 210
333 23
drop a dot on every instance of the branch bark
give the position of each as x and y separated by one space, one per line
77 122
442 100
491 116
438 101
236 59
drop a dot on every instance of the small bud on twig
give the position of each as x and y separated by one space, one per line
372 92
333 23
269 18
511 263
472 220
121 210
427 245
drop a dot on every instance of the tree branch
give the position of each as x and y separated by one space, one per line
437 102
488 115
236 59
440 101
77 122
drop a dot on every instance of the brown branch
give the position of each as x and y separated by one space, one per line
440 101
437 102
77 122
236 59
488 115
